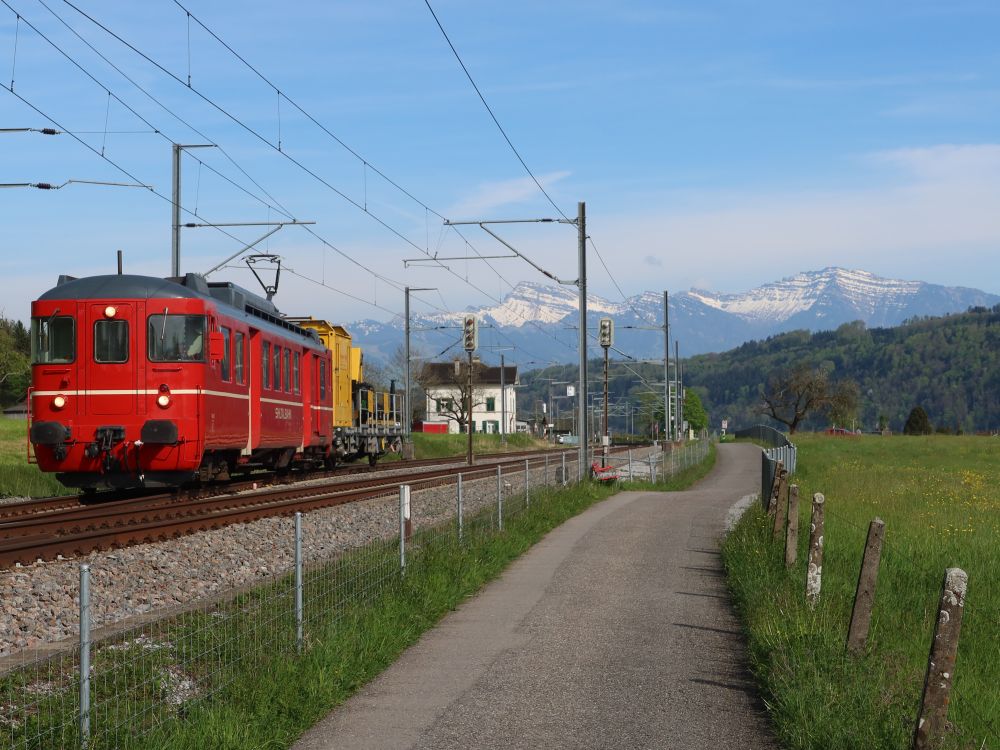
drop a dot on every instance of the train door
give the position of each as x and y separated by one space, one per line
253 374
109 341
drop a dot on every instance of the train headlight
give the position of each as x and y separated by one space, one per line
163 400
59 402
109 311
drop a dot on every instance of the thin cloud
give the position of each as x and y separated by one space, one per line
490 196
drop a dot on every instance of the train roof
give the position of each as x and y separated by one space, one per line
247 305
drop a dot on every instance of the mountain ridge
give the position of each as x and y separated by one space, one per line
536 316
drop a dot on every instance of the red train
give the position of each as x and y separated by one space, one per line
139 381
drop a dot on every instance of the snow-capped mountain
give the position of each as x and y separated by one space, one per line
540 320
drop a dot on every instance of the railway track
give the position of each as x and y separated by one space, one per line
52 527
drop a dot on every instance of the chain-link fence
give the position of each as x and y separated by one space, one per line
120 680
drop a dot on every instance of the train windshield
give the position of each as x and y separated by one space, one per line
176 338
53 340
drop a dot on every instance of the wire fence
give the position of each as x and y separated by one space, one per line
119 682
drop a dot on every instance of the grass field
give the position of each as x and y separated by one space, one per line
940 499
17 476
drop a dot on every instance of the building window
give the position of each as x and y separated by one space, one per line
491 403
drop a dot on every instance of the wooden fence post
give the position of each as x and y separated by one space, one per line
814 573
933 717
792 531
864 596
775 485
781 505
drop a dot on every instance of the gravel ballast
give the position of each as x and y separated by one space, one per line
39 602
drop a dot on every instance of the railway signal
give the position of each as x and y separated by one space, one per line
607 333
470 333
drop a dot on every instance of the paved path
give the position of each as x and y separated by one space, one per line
615 631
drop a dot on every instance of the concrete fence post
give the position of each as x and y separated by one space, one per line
781 507
545 476
84 655
527 477
499 499
792 530
630 464
563 477
459 509
404 520
814 573
932 719
864 596
298 581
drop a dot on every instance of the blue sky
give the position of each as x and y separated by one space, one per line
717 144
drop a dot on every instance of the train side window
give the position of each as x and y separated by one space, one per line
276 367
227 336
53 339
266 368
322 380
238 353
111 341
295 371
288 371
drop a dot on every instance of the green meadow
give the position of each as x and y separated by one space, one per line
940 501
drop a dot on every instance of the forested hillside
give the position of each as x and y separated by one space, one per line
950 366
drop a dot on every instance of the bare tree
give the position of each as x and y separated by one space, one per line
791 396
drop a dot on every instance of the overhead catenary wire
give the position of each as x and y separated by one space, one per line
366 164
276 205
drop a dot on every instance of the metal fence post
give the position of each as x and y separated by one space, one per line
563 477
404 516
527 495
298 581
630 464
84 655
499 499
459 507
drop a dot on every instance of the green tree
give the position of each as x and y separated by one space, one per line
918 423
694 412
15 369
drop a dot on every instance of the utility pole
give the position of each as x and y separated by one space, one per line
175 239
470 341
469 411
581 228
503 405
606 339
407 409
677 388
666 369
